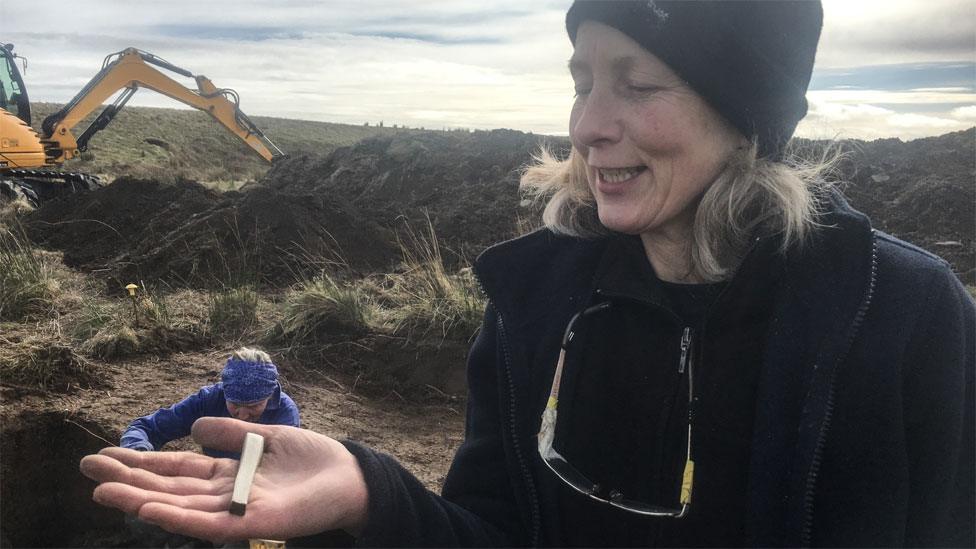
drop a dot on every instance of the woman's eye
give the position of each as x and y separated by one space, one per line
639 88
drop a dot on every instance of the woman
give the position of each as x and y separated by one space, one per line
739 358
248 390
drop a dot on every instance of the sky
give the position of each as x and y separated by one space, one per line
885 68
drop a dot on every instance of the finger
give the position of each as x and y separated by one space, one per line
102 468
223 433
130 498
174 464
215 526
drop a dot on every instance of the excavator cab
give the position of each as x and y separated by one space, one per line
13 92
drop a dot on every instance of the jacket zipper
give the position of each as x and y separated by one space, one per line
526 475
513 431
685 345
811 484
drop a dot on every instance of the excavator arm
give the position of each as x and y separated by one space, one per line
129 70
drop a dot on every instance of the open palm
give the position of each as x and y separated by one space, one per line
306 483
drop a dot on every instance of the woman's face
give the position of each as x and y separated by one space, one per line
651 144
247 411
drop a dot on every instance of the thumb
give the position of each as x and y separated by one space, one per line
227 434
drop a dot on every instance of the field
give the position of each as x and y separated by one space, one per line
347 261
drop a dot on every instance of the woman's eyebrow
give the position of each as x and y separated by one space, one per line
620 65
623 65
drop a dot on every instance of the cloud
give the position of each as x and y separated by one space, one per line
873 114
474 64
875 32
967 114
901 76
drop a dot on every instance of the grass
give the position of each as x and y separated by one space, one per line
421 300
93 316
115 340
28 286
44 360
426 298
319 308
232 312
117 329
171 143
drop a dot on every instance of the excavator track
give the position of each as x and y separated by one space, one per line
38 186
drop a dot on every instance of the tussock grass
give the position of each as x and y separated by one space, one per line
114 330
232 312
113 341
153 309
426 298
92 316
319 308
43 359
28 286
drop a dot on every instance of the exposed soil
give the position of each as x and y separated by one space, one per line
345 208
184 233
923 191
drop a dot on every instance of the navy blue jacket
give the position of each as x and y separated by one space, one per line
153 431
863 433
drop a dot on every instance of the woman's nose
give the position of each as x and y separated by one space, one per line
596 120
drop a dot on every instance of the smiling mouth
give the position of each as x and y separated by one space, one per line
619 175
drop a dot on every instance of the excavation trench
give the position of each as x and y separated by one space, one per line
44 500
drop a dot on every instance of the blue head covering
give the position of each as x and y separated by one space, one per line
246 381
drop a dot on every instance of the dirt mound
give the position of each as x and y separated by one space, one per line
137 229
345 207
923 191
466 182
98 229
266 234
349 206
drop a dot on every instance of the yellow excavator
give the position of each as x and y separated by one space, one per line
29 160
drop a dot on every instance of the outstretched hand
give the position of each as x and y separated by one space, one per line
306 483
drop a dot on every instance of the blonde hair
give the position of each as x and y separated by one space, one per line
252 355
751 196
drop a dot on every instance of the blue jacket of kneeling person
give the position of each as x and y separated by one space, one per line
152 431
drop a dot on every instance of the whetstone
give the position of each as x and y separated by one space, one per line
250 458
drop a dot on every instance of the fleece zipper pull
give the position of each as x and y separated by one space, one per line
685 345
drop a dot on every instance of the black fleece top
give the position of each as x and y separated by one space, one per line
624 403
863 432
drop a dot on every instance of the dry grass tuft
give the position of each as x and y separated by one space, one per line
113 341
425 298
42 359
232 312
110 331
12 210
319 309
28 287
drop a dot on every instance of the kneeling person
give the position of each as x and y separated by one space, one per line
248 390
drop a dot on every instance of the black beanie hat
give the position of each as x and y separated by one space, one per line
750 60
